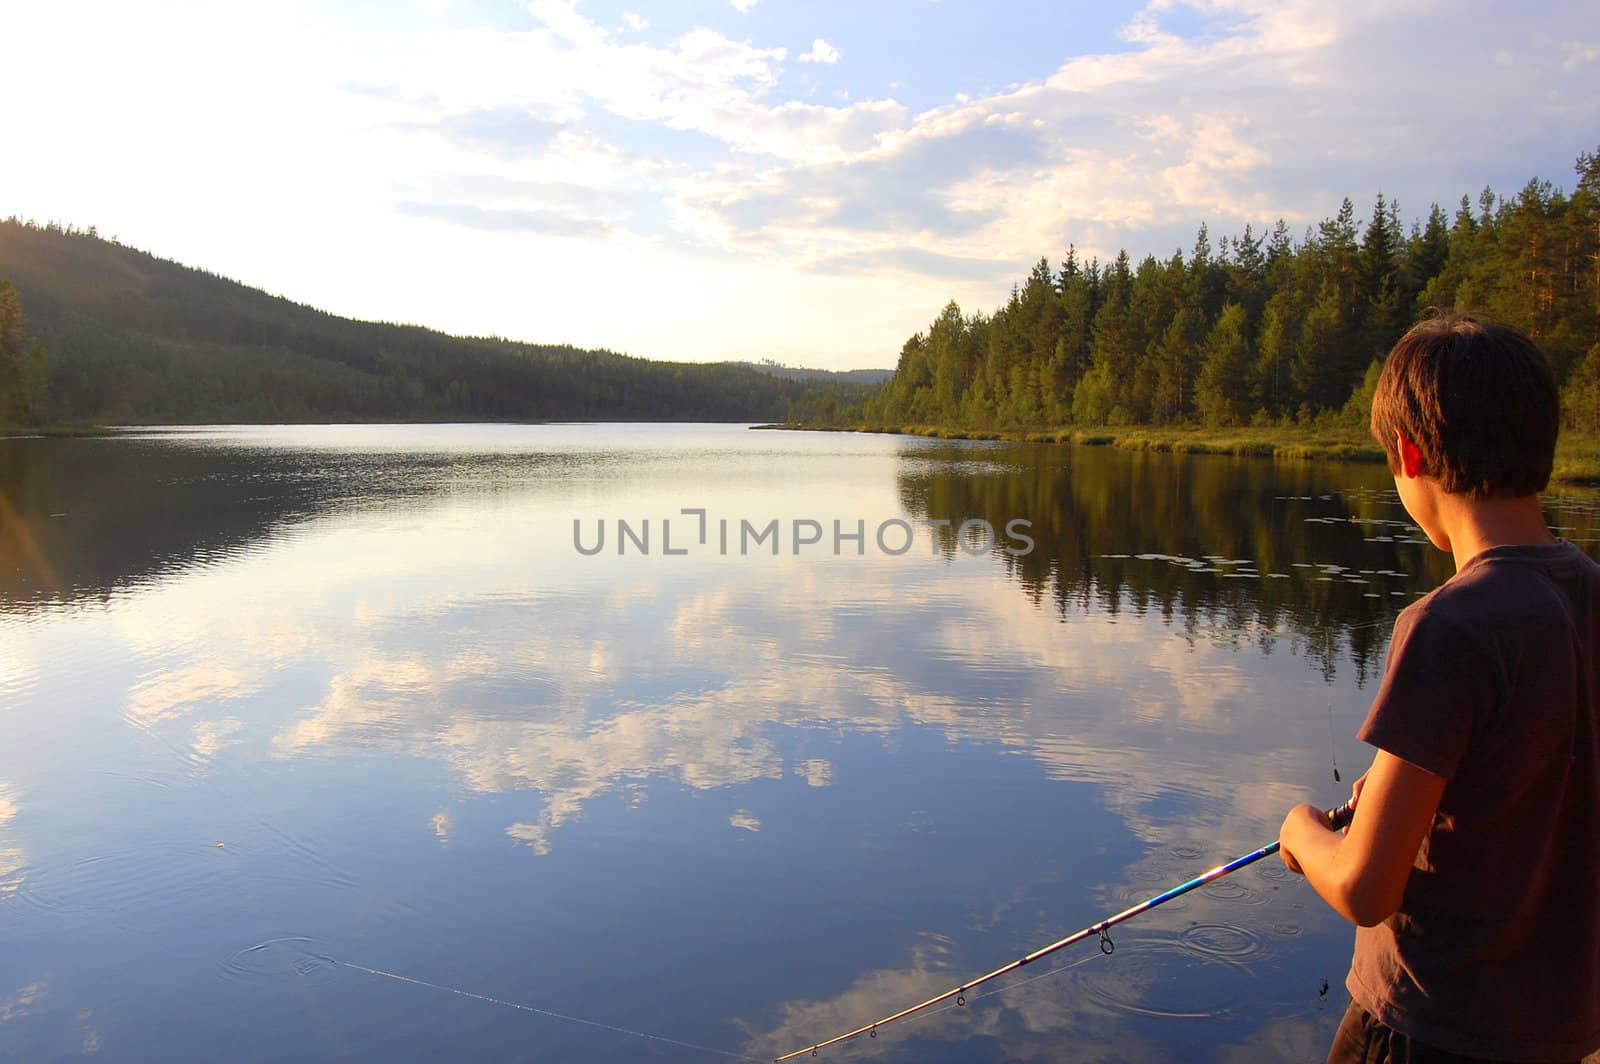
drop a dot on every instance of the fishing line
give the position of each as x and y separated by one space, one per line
1333 746
1337 818
544 1012
1008 987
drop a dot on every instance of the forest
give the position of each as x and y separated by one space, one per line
94 332
1264 328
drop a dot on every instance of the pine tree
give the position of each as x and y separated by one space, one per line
1077 321
1379 297
1247 274
1276 351
1427 255
1175 356
1111 349
1225 392
1585 241
1317 367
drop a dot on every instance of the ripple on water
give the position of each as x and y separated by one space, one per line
1232 890
1272 868
277 958
1220 940
1175 975
169 876
161 875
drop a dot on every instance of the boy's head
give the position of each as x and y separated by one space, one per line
1478 400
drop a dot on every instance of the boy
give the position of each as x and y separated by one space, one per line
1471 867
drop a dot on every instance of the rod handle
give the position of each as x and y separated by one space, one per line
1341 815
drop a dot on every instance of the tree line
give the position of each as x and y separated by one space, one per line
132 338
1263 328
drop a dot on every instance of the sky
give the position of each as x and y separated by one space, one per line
747 179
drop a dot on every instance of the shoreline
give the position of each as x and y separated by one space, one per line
53 432
1577 457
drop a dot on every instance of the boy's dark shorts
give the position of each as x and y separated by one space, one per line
1363 1040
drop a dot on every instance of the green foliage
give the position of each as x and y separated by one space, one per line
137 339
1358 411
22 364
1226 393
1263 331
1580 400
1091 403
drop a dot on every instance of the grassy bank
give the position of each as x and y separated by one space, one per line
1288 443
1577 454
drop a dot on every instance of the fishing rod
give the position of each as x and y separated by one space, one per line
1338 818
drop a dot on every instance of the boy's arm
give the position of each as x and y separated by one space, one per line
1363 872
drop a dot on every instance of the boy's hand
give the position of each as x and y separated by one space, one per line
1355 789
1363 873
1300 818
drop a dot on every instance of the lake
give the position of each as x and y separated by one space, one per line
357 742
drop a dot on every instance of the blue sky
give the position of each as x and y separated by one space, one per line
759 178
920 51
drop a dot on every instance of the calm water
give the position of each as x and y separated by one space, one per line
278 705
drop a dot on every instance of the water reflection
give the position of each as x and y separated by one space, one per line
430 737
1237 549
12 861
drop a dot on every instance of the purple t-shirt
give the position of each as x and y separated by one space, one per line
1492 682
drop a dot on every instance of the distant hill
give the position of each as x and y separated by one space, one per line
846 376
134 339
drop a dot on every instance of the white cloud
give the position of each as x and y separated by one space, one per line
743 6
183 690
821 52
1577 54
211 737
634 21
21 1002
817 772
547 153
1123 149
535 836
702 82
717 737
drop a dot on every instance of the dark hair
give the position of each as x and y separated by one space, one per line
1477 398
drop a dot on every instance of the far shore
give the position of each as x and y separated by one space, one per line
1577 454
23 432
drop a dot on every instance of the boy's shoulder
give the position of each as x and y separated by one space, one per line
1507 586
1495 652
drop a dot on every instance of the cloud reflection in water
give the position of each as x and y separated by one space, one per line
949 758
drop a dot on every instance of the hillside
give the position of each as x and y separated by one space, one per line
848 376
134 339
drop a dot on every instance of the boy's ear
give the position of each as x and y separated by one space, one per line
1410 456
